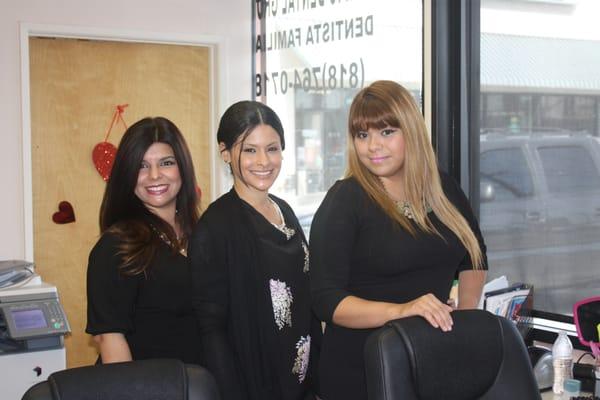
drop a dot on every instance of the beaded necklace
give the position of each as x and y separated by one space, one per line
181 245
406 209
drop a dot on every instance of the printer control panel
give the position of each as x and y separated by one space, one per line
35 318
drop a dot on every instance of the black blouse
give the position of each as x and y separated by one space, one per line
356 249
285 265
154 312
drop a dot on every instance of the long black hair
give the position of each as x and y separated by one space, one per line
122 212
240 119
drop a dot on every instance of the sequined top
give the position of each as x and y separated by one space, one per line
285 265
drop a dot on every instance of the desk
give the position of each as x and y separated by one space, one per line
577 356
549 395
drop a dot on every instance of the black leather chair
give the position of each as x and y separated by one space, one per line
159 379
483 357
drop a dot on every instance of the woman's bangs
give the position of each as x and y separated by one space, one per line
372 114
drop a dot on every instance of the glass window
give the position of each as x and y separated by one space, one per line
569 169
311 58
507 171
540 87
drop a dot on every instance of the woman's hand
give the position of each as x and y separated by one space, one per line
433 310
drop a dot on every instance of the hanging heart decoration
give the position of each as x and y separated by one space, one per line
103 156
104 152
65 213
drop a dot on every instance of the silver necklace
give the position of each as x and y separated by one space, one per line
288 232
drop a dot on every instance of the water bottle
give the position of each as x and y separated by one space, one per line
562 361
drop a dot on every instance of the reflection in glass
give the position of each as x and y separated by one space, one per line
311 59
540 154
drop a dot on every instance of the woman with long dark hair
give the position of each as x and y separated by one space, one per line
250 271
138 279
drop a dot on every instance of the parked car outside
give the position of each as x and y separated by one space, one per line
540 213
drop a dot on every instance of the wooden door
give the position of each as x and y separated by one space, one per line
75 86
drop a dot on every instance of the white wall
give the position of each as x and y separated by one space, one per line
571 20
229 19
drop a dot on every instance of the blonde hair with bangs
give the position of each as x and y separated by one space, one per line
386 103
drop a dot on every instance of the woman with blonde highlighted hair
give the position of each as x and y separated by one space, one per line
389 239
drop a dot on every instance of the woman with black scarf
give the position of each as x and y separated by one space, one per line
249 261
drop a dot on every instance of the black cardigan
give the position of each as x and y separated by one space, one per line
232 305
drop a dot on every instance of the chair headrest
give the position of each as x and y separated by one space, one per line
462 363
144 379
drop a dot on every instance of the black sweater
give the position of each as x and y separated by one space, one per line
356 249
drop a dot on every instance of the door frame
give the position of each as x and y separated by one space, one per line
218 100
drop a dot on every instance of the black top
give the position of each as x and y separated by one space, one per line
251 296
154 312
356 249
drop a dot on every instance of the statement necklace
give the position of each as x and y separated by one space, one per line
181 248
404 206
406 209
288 232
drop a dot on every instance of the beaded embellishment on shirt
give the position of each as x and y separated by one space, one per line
281 297
288 232
302 358
406 209
306 257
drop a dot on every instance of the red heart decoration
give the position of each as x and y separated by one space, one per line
103 156
65 213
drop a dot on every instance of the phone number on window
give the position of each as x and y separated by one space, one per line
325 77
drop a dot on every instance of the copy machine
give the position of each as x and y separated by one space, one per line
32 328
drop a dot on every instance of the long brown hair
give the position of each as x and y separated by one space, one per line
386 103
123 214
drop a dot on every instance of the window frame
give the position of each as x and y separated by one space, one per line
456 125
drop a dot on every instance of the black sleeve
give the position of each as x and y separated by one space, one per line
111 297
457 197
210 300
332 237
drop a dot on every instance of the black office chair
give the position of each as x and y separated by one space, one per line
482 358
159 379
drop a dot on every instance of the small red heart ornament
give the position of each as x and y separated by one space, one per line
65 213
103 156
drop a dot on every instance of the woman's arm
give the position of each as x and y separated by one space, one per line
113 347
357 313
334 235
470 285
111 300
470 279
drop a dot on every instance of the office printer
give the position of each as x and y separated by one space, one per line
32 329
